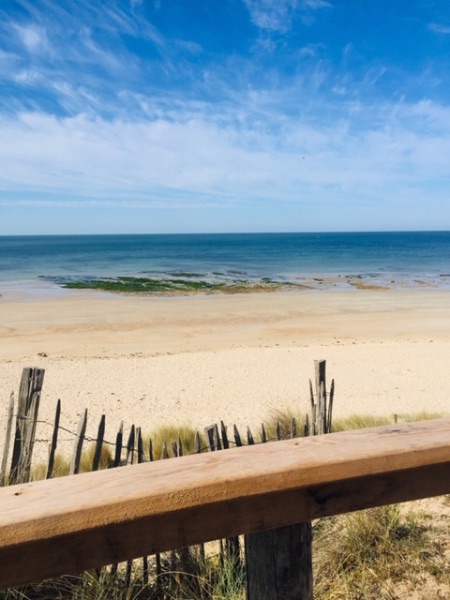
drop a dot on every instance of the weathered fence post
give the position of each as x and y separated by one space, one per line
27 413
7 440
279 561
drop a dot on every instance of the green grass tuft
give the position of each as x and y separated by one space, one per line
172 434
366 555
62 463
360 422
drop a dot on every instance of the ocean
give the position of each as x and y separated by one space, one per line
42 265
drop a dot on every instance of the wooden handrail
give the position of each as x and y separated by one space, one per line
67 525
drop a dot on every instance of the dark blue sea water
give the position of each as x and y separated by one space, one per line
39 264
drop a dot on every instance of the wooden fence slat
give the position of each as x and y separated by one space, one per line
209 432
224 434
99 443
278 431
78 445
237 436
216 437
312 424
175 448
250 439
118 449
294 428
306 427
263 434
197 443
330 407
320 379
164 451
150 450
140 447
9 421
130 446
54 442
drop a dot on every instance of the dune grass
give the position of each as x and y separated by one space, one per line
283 420
62 463
373 554
183 434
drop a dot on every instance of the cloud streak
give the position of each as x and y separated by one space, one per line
277 15
186 155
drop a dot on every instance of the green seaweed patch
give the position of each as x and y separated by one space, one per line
186 274
423 283
359 285
151 286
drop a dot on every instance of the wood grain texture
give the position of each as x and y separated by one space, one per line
70 524
279 563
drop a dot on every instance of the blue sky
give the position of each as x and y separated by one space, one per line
224 115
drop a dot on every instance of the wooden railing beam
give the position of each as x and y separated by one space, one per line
70 524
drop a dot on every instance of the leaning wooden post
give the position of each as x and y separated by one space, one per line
99 444
279 561
54 443
27 413
7 440
78 444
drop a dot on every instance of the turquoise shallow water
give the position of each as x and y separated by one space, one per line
40 264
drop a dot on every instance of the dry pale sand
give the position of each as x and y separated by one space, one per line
200 359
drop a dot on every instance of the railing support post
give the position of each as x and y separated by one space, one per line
279 561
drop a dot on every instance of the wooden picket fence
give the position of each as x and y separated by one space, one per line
20 435
268 493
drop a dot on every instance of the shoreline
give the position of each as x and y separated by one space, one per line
201 359
170 284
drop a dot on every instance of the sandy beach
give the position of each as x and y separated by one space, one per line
202 359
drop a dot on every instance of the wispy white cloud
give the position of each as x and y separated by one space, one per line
33 37
277 15
315 4
27 76
191 158
78 56
439 28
